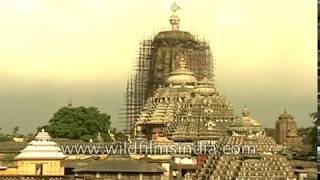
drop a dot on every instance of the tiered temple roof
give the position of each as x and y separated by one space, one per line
239 167
187 109
42 147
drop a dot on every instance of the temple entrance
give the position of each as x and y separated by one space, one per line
39 169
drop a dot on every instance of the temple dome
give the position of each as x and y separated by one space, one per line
182 75
246 123
205 87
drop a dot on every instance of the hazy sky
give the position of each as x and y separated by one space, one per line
50 51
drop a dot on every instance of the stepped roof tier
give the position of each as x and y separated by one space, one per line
41 148
203 118
241 167
259 143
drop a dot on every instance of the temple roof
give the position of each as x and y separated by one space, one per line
121 164
41 148
246 123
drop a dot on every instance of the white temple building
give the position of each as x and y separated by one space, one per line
42 156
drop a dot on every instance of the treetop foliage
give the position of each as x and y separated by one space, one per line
79 123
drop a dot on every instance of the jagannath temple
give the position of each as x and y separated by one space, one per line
172 101
183 105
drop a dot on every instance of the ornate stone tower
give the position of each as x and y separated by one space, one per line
286 130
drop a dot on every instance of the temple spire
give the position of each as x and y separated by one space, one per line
174 19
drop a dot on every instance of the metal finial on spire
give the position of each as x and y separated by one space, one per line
70 103
174 19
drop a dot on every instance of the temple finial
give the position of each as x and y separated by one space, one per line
174 19
70 103
174 7
245 111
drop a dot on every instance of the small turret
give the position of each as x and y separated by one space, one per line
182 77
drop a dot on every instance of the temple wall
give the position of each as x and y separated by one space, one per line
49 167
8 172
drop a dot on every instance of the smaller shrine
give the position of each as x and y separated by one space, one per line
287 131
42 157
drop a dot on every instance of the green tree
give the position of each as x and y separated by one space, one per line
313 135
5 137
270 132
78 123
307 134
7 158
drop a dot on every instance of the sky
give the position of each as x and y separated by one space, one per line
52 51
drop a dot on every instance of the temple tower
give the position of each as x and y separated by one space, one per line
286 130
158 58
